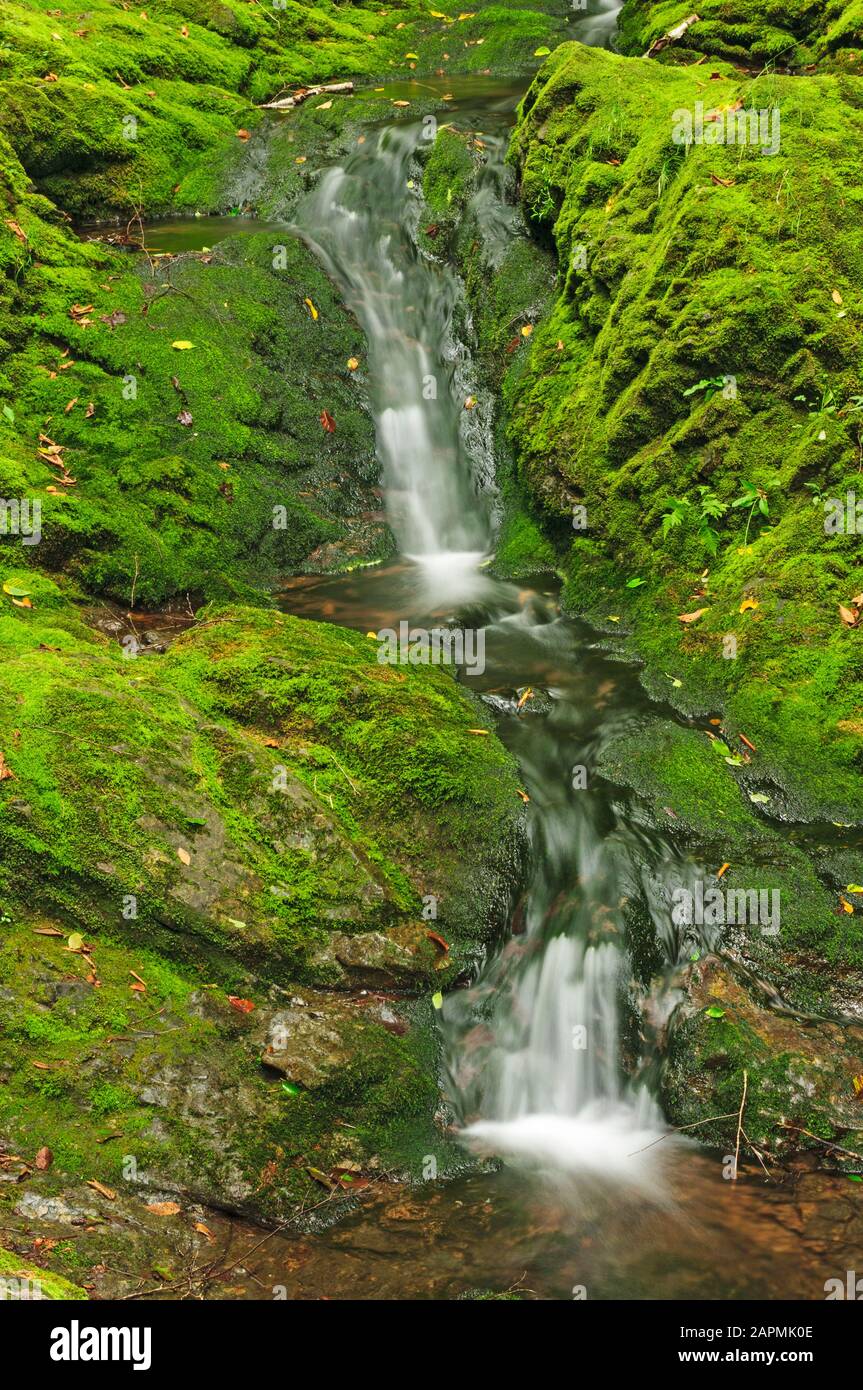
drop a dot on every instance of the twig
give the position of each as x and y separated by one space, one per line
740 1120
678 1129
828 1143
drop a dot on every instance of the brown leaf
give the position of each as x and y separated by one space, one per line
204 1230
723 183
47 931
184 856
15 228
44 1159
328 422
438 940
242 134
524 796
90 411
849 616
244 1006
185 417
101 1188
70 405
691 617
723 869
164 1208
6 773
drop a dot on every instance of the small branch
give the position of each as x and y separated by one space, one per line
672 35
740 1120
678 1129
828 1143
297 98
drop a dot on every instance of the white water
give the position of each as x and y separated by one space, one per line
534 1048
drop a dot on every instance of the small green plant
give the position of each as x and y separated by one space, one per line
755 498
708 384
702 513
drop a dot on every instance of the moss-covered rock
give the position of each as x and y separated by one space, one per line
21 1280
692 399
265 784
797 36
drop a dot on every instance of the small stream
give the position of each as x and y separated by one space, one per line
594 1194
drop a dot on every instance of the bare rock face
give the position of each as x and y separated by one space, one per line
305 1047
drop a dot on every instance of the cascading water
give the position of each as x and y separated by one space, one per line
534 1047
357 220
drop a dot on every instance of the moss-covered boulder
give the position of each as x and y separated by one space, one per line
265 784
23 1281
797 36
692 400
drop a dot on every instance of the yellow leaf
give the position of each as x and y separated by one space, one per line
75 942
181 345
527 330
836 296
747 604
312 310
352 364
324 106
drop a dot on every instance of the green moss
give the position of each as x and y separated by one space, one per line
796 36
21 1279
683 270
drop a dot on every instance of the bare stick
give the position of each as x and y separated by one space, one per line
740 1120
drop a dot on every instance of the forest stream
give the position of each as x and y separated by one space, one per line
595 1197
225 1008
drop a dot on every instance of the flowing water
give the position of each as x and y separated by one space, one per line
534 1047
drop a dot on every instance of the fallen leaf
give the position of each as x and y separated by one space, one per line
242 134
849 616
527 330
7 775
245 1006
181 345
524 796
204 1230
16 230
312 310
52 931
845 905
352 364
164 1208
836 296
70 405
438 940
185 417
484 733
691 617
324 106
723 869
90 411
747 604
44 1159
470 403
75 942
328 422
184 856
437 1000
